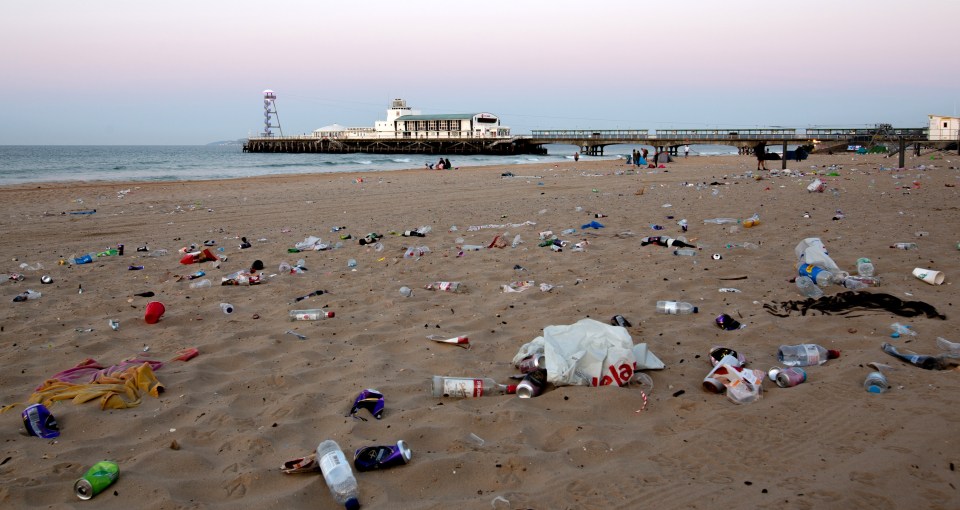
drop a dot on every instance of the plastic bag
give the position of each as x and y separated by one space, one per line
812 251
589 353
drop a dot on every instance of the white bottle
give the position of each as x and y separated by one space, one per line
676 307
805 355
338 475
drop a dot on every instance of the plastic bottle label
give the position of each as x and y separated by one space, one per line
463 388
331 461
811 354
670 307
810 270
307 316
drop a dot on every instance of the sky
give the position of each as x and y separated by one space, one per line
180 72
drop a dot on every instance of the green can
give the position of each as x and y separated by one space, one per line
96 479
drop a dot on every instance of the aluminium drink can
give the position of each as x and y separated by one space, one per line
791 377
532 363
96 479
370 458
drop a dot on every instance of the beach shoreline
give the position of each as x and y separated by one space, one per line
256 396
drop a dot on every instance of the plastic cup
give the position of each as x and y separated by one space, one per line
227 308
406 292
930 276
155 310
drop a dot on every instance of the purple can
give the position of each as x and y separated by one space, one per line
39 422
370 458
791 377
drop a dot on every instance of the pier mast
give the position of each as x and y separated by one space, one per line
269 111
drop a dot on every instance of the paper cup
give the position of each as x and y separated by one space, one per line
930 276
154 311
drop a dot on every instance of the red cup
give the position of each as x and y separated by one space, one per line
154 311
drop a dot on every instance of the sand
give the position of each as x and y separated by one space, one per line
256 396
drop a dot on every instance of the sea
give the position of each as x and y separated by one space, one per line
24 164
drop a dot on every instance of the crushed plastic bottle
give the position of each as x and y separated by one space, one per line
901 329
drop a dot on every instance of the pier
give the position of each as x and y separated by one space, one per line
593 142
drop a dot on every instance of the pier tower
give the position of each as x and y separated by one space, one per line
269 112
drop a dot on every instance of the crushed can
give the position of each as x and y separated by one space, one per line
39 422
96 479
370 458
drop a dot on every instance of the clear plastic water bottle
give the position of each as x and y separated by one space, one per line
821 276
876 383
686 252
805 355
201 284
338 474
808 288
865 267
676 307
904 246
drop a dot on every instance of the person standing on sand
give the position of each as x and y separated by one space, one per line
576 156
686 151
761 151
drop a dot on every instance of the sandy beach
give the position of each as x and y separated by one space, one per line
257 396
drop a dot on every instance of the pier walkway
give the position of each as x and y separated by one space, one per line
593 142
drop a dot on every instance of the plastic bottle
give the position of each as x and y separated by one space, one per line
904 246
686 252
683 225
721 221
227 308
751 221
338 474
311 314
867 281
749 246
808 288
821 276
876 383
865 267
445 286
469 387
805 355
676 307
201 284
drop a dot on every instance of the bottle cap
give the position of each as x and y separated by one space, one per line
352 504
833 354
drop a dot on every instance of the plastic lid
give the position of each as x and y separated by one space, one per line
833 354
696 310
330 314
352 504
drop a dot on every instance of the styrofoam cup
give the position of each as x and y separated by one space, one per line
930 276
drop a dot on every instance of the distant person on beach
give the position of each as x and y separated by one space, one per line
760 150
446 164
440 164
645 153
576 156
686 150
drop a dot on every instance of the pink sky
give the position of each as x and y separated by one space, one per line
192 72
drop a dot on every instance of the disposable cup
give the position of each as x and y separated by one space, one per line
154 311
930 276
